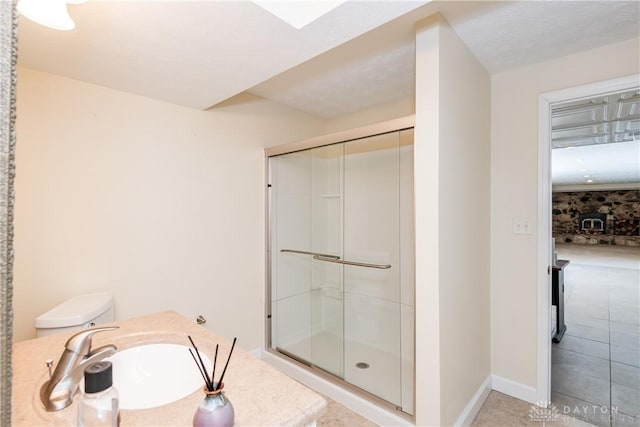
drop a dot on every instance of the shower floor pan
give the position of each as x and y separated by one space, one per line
375 372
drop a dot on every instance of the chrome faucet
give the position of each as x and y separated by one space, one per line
58 391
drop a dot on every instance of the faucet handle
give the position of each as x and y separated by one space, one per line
80 342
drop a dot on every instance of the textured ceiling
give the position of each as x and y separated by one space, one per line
378 66
359 55
506 35
372 69
192 53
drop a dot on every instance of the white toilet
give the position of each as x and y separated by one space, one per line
83 311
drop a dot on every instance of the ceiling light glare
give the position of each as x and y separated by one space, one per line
298 13
50 13
589 181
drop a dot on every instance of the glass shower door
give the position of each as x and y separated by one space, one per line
341 247
307 294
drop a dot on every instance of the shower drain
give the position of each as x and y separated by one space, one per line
362 365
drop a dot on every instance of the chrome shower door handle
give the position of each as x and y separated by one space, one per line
295 251
354 263
336 259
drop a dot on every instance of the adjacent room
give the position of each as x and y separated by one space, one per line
596 229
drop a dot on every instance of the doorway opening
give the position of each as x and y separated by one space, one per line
587 290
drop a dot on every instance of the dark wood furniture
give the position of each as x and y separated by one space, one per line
557 297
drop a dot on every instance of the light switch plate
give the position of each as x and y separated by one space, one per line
522 226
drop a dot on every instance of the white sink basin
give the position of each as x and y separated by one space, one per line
152 375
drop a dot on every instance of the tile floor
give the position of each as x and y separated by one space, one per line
499 410
596 366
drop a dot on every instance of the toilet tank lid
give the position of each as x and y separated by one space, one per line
76 311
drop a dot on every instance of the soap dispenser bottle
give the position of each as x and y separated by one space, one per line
98 405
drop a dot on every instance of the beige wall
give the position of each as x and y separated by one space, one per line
514 191
159 203
452 229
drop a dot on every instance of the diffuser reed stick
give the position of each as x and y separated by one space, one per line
206 380
209 382
224 371
213 370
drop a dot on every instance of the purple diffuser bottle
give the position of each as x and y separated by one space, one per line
215 410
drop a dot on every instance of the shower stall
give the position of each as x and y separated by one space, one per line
341 263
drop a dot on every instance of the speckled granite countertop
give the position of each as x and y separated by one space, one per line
261 395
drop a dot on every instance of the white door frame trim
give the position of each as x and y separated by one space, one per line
545 100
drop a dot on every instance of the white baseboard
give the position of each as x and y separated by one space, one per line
473 407
385 418
514 389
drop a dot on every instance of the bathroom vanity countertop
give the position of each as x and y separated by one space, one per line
261 395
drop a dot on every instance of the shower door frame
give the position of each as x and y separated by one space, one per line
395 125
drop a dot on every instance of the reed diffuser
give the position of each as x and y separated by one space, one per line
215 410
